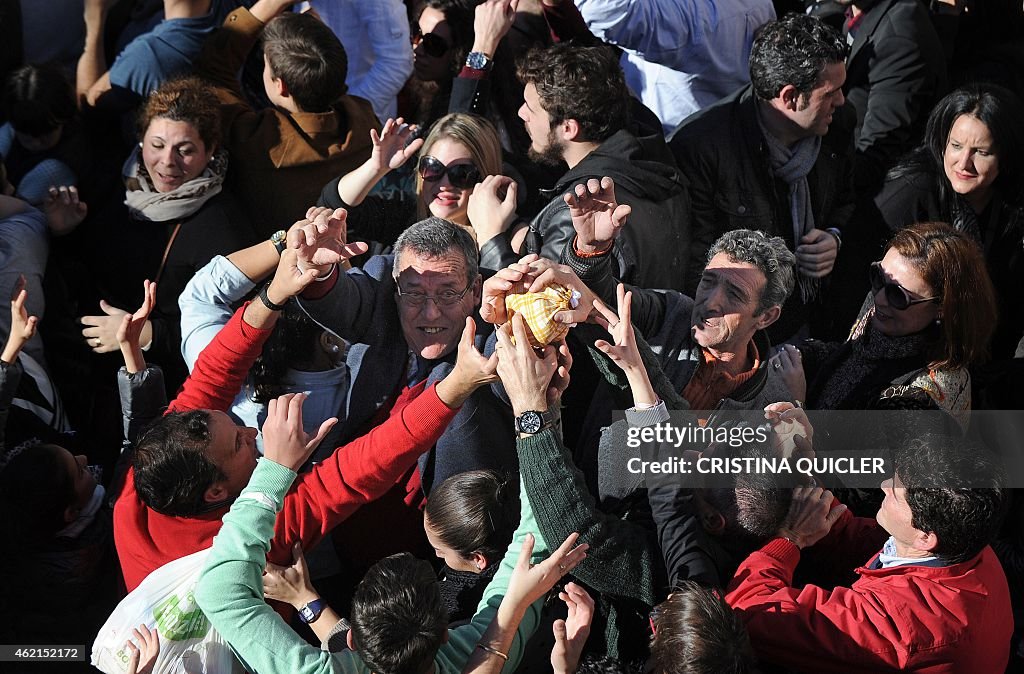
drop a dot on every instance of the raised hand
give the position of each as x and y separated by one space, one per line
320 242
560 380
530 582
101 331
596 216
289 584
133 330
141 660
492 302
472 370
492 20
390 149
284 440
492 207
810 516
64 211
622 350
23 326
571 634
525 372
790 426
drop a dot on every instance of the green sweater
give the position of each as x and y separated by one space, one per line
230 591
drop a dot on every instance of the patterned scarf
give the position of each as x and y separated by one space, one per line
145 203
791 165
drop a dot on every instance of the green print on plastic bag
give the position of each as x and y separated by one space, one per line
179 620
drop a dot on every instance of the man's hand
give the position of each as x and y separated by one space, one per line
492 302
135 329
289 584
560 380
492 20
288 281
389 146
64 211
284 441
551 273
23 326
571 634
526 373
816 253
471 370
596 216
530 582
623 351
141 660
810 518
492 206
321 241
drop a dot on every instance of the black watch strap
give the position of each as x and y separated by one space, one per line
279 240
267 302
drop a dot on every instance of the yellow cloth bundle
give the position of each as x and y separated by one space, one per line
539 309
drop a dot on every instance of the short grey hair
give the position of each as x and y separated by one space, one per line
769 254
437 237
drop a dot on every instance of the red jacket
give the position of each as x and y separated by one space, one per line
949 619
356 473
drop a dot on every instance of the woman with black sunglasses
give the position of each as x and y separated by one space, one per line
461 151
929 316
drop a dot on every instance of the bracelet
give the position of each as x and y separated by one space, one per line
267 302
787 538
491 649
329 274
585 256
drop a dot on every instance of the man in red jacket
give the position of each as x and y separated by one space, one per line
192 464
935 599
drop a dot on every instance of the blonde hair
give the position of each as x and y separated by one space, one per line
476 134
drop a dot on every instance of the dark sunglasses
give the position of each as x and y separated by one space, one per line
433 45
896 295
463 176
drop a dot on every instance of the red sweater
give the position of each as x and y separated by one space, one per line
355 474
950 619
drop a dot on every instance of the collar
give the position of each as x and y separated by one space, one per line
888 558
715 364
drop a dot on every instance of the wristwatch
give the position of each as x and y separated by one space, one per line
269 303
278 239
311 611
477 60
533 422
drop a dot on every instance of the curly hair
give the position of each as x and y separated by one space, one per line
186 99
793 50
767 253
581 83
172 470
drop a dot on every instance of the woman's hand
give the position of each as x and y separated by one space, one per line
596 216
788 364
571 634
390 149
792 432
101 331
141 660
525 372
64 211
623 352
23 326
132 330
289 584
492 207
530 582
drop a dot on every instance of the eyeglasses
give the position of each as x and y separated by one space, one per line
447 298
433 45
463 176
896 295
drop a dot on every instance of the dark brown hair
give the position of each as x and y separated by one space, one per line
475 511
186 99
309 58
953 265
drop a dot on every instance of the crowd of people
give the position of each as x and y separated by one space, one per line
369 301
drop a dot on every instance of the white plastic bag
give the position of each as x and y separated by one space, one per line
165 602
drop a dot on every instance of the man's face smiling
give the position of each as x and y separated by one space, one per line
725 305
433 329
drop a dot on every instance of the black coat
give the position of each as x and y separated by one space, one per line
651 250
895 73
723 154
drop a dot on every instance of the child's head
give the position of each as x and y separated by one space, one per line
38 101
470 519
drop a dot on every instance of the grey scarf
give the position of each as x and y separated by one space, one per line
145 203
791 165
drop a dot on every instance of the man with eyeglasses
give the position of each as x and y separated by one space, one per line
405 315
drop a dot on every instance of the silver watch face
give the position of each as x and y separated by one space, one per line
476 60
530 422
